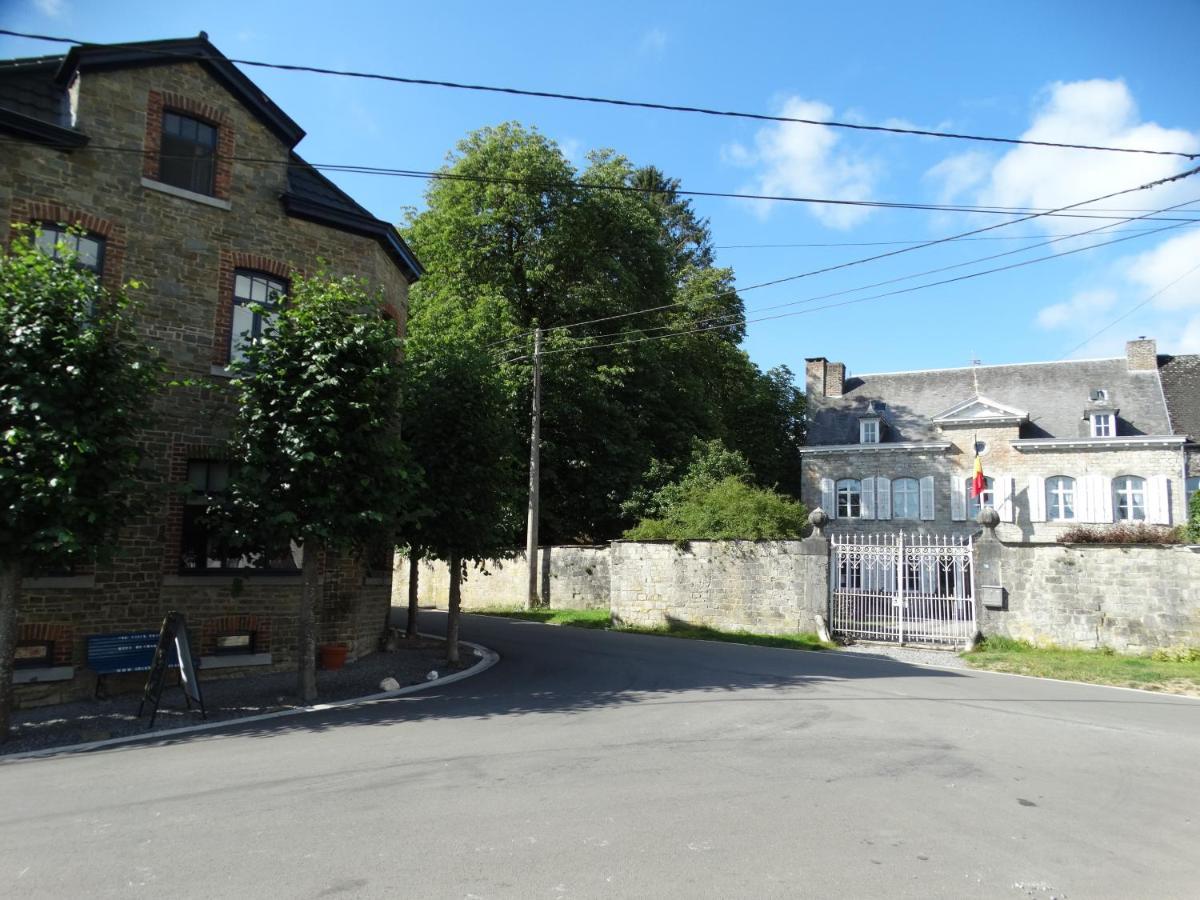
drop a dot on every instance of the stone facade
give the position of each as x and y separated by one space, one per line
183 249
930 425
572 577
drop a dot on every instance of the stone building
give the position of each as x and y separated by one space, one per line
184 175
1061 444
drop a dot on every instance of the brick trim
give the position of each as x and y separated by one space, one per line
160 101
177 476
62 635
389 313
231 261
34 212
213 628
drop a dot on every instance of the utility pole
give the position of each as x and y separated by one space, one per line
535 471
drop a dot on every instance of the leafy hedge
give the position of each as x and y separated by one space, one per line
1138 533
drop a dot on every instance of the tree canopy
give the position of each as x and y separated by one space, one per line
75 387
520 238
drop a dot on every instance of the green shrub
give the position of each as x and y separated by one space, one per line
1137 533
729 509
1177 654
1191 531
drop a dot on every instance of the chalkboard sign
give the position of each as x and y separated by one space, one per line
173 649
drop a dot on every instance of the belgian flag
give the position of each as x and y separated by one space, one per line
978 485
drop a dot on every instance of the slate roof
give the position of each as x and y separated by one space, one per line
1054 394
1181 385
27 87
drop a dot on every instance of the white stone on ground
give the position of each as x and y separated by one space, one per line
918 655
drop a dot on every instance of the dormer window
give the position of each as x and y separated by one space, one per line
868 431
1104 424
1099 395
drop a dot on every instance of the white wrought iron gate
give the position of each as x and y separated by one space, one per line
903 588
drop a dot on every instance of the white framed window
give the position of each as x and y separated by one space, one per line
1129 498
986 500
1191 486
1060 498
849 499
252 289
1103 425
868 431
906 498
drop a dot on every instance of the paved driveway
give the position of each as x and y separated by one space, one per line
591 764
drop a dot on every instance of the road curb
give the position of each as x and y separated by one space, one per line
487 659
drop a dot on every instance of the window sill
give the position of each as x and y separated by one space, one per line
59 582
184 194
234 661
42 675
219 371
257 578
377 580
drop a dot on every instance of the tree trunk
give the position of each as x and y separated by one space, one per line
455 602
10 590
414 578
306 640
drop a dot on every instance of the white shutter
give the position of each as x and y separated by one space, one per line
1158 500
958 498
828 499
1086 501
868 497
1002 496
883 497
927 498
1037 498
1104 511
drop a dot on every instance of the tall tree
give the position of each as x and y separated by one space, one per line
319 458
521 238
457 421
75 387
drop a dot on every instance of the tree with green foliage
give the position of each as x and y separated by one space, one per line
520 238
457 422
75 387
319 459
729 509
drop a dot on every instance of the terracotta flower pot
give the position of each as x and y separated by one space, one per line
333 656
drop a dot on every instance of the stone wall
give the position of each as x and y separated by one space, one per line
770 587
1129 598
571 578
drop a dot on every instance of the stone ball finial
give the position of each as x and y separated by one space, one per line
988 517
818 519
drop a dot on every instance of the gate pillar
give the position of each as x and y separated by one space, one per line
989 588
814 576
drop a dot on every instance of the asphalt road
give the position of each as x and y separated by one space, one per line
593 764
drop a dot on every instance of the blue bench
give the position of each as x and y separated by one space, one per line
133 651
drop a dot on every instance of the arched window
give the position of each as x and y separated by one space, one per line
1129 498
252 289
1060 498
906 498
86 248
849 499
984 500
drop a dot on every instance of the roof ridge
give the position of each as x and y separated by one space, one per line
1051 362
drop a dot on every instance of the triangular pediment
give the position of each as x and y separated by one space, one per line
981 409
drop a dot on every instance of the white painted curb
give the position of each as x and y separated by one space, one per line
487 659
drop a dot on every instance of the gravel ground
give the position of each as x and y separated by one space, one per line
920 655
224 698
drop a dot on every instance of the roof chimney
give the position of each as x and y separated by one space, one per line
835 379
1141 355
814 376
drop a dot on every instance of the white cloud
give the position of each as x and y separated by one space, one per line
653 42
1096 112
52 8
807 160
1162 276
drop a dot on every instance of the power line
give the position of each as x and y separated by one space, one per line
1148 216
1000 237
908 290
353 169
610 101
1130 312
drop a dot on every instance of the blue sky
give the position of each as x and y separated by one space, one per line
1100 72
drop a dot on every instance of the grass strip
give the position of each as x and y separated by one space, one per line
1173 671
600 618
